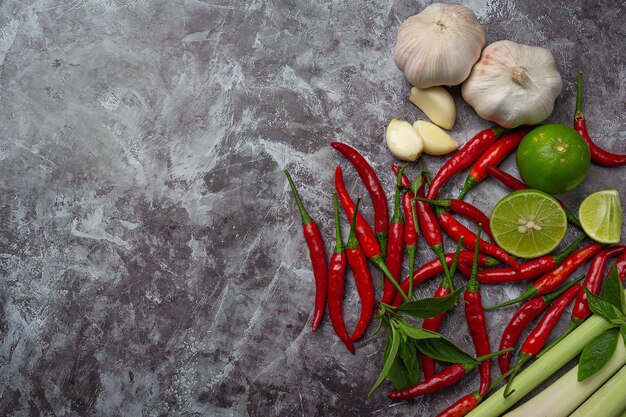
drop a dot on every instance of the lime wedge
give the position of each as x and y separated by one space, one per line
601 216
528 223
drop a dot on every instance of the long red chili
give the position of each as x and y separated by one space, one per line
465 209
527 270
522 318
395 248
475 317
550 281
492 157
317 253
372 183
464 158
598 155
462 406
362 279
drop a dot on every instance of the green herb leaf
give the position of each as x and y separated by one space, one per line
603 307
596 354
623 331
614 290
431 307
389 359
416 333
405 371
444 350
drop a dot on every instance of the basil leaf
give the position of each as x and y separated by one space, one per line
431 307
603 307
416 333
614 290
405 372
623 331
444 350
388 362
597 353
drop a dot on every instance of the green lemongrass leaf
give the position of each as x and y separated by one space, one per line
431 307
614 290
389 359
597 353
416 333
602 307
623 331
444 350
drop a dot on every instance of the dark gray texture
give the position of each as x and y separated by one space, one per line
151 258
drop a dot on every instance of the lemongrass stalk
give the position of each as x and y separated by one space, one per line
566 394
543 368
608 401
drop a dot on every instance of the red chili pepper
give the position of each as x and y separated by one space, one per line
372 183
317 253
395 248
434 324
455 230
550 281
537 338
463 208
464 158
621 266
527 313
527 270
462 406
362 278
475 317
598 155
336 281
492 157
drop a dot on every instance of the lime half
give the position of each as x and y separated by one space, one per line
528 223
601 216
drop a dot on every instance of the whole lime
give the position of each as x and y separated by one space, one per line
553 158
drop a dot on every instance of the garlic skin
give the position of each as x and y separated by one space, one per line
513 84
436 140
403 140
439 46
436 103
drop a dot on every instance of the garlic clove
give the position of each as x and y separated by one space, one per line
436 140
436 103
403 140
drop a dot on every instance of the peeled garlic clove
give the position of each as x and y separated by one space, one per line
436 140
436 103
403 140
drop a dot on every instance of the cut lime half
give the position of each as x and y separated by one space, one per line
601 216
528 223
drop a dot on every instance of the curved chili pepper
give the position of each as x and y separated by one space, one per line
455 230
475 317
464 158
527 313
372 183
492 157
463 208
395 248
336 281
317 253
527 270
514 184
550 281
598 155
537 338
362 278
462 406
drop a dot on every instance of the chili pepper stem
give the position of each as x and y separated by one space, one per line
560 257
411 250
521 360
439 203
579 98
380 263
469 184
306 218
472 284
339 246
382 241
531 292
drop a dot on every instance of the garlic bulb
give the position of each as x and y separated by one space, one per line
439 46
436 103
403 141
513 84
436 140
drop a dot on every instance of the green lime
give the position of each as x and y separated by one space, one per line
601 216
528 223
553 158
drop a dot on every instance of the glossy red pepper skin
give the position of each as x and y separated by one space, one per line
621 266
433 324
372 183
317 253
598 155
436 382
469 153
395 247
462 406
492 157
410 232
465 209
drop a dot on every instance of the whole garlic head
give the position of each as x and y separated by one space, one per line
513 84
439 46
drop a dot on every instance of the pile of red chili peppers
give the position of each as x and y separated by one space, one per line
417 210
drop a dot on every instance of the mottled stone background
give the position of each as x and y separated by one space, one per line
151 258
